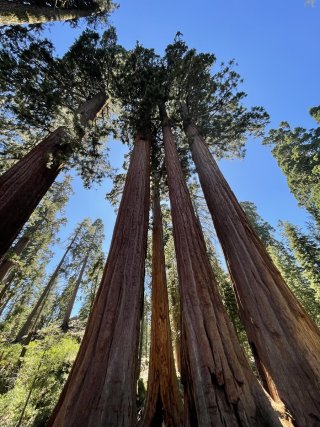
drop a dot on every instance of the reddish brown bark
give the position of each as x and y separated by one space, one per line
285 341
220 388
23 186
101 389
163 402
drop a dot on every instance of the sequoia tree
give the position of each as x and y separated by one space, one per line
282 336
37 11
163 402
25 183
23 186
220 388
101 389
279 330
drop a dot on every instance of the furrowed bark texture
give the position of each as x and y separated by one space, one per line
163 401
16 13
101 389
220 388
23 186
285 341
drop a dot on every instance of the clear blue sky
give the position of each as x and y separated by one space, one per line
276 44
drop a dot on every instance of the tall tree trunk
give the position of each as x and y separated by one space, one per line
6 263
12 13
23 186
35 312
6 301
101 389
284 340
6 286
66 318
163 402
220 388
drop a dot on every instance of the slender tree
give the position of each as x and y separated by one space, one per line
101 389
220 388
35 12
39 232
163 402
89 245
282 336
36 311
7 263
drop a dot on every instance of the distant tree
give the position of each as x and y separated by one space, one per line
41 228
91 284
298 155
86 252
13 12
33 317
42 374
295 275
307 252
23 273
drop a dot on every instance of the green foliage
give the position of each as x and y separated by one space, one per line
307 252
42 92
295 278
263 228
213 99
67 4
86 251
297 152
43 372
299 267
25 279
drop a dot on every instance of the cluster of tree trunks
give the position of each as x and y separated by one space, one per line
220 388
23 186
163 402
101 389
284 340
